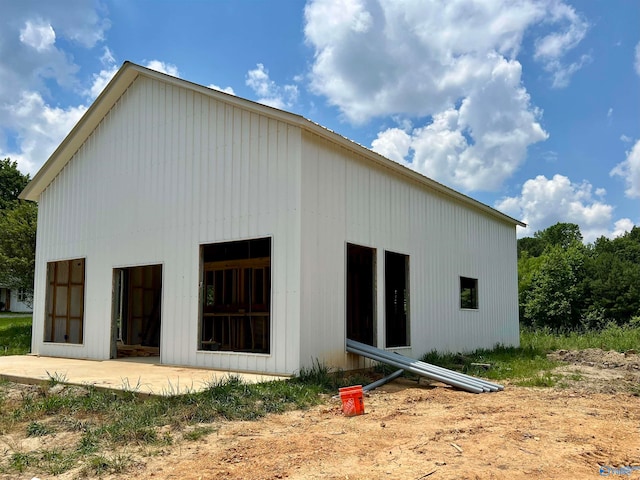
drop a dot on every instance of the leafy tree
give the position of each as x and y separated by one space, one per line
18 222
531 246
555 296
527 266
613 279
560 234
12 182
18 246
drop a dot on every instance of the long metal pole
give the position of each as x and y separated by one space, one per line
423 368
433 376
427 366
382 381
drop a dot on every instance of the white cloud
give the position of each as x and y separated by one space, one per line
551 48
101 79
33 65
637 59
268 92
625 138
478 145
629 170
393 143
38 35
621 227
544 202
40 128
610 112
561 74
163 67
556 44
453 63
228 90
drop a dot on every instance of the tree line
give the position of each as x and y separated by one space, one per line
18 220
564 284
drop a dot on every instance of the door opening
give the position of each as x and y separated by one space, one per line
361 294
136 311
396 284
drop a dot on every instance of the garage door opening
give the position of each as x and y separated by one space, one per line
361 293
136 311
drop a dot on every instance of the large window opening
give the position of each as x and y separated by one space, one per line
469 293
65 302
236 296
136 311
361 293
396 280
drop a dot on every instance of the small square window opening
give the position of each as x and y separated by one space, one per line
469 293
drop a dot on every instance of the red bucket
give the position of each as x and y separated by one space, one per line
352 403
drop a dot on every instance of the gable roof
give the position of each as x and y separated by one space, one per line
129 72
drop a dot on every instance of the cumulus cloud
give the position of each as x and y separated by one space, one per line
31 126
478 145
629 170
268 92
621 227
544 201
38 34
40 129
228 90
163 67
452 63
102 78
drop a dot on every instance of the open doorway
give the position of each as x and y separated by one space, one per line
396 284
136 311
361 293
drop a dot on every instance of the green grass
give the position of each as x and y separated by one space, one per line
15 334
528 364
612 337
109 422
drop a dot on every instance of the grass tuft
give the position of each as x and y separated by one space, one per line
37 429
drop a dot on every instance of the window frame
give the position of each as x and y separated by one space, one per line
230 321
473 303
52 313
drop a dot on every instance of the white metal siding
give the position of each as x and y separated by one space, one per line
166 170
346 198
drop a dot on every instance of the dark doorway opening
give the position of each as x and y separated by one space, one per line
361 293
136 311
396 281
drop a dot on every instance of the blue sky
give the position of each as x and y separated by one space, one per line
530 106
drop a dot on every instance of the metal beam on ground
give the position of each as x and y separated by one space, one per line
433 372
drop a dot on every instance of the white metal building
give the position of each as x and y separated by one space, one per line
223 233
12 300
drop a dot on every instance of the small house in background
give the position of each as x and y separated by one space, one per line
12 300
212 231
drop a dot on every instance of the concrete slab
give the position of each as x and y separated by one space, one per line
142 375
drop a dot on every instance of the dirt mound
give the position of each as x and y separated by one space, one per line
598 371
595 357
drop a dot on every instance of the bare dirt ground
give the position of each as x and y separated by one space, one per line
421 431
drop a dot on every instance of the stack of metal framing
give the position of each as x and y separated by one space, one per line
433 372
